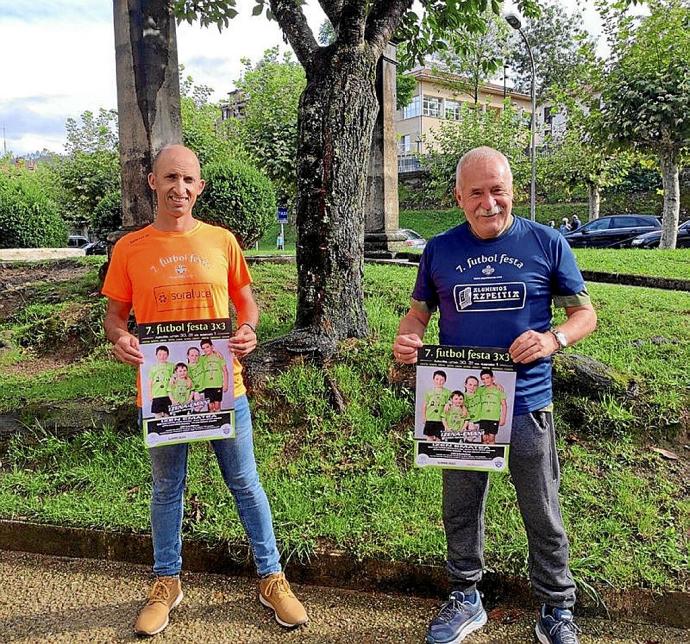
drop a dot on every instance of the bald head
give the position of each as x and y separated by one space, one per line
175 149
480 155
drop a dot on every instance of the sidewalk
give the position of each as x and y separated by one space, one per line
50 599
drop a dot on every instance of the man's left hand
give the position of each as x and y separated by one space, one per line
243 342
532 345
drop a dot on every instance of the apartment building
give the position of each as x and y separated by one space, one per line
434 101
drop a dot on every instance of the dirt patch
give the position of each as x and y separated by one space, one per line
16 282
33 365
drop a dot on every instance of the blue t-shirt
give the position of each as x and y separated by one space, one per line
490 291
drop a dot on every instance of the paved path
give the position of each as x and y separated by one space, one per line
49 599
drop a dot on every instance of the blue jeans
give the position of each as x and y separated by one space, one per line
238 467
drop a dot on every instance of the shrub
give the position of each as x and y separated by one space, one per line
107 215
237 197
28 218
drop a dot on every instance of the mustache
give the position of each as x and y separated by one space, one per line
496 210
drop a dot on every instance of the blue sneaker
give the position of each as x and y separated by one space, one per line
457 618
558 628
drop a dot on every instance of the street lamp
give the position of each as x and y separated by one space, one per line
515 23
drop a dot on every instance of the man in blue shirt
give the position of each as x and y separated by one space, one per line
493 280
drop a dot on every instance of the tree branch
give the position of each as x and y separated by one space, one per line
383 20
353 19
292 21
333 10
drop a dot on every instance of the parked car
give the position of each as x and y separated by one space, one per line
413 239
77 241
651 240
616 231
99 247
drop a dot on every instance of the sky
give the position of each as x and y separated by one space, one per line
58 60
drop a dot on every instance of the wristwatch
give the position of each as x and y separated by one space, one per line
560 338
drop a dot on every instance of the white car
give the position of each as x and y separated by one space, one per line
413 239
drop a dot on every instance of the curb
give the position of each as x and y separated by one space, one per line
335 569
638 280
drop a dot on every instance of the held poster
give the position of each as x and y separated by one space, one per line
186 381
464 407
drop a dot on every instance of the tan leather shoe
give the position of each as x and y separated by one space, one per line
275 593
165 594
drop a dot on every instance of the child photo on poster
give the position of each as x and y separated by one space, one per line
464 407
188 392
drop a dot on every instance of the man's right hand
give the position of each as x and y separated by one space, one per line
126 350
405 347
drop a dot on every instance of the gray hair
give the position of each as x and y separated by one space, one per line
482 153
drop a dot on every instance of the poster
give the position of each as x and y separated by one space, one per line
464 407
186 381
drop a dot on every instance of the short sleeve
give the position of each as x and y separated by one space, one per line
566 278
238 271
424 288
117 284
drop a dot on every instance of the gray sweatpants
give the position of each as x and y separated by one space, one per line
533 464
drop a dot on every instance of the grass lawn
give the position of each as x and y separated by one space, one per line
345 480
657 263
674 264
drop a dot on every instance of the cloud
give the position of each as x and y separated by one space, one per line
56 11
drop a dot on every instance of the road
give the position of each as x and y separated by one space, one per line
52 599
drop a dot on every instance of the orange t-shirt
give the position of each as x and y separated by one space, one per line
176 277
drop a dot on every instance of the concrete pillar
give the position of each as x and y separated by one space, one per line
381 206
148 98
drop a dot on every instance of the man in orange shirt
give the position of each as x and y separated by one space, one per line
177 269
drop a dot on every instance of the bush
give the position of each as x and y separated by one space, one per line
107 215
237 197
28 218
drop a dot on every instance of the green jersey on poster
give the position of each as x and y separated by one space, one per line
213 370
197 375
455 418
180 390
159 375
473 402
435 400
492 399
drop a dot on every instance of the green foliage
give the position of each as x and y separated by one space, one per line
647 94
28 218
405 86
267 127
107 215
501 129
91 168
558 44
473 56
203 131
238 197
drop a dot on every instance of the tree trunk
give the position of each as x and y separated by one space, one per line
671 211
337 114
148 98
594 196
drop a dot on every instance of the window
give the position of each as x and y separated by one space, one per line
405 144
452 111
627 222
412 109
599 224
431 106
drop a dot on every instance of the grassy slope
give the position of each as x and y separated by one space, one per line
345 479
